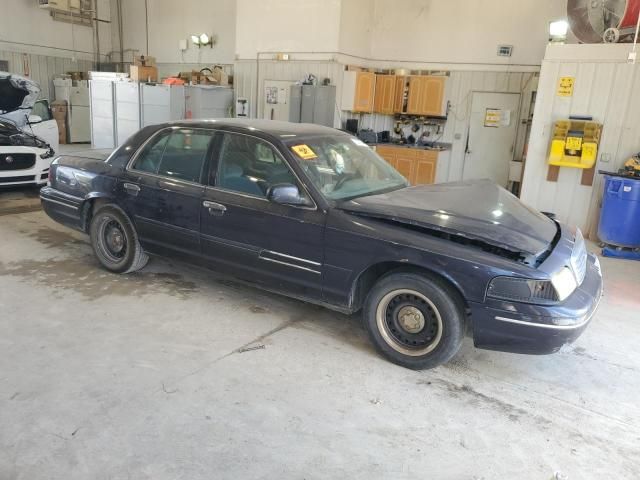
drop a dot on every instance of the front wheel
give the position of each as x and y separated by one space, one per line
415 321
115 242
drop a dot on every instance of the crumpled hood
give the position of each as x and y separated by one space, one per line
478 210
18 95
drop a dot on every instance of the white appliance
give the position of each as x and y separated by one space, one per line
208 101
277 97
79 117
62 89
127 102
102 114
161 103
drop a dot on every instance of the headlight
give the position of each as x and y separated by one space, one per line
523 290
564 281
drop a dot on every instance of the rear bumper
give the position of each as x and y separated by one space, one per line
62 207
535 329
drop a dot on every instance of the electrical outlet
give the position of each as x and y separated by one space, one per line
605 157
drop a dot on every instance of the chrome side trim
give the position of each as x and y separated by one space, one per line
304 260
290 265
551 327
58 203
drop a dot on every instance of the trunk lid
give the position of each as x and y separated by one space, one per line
477 210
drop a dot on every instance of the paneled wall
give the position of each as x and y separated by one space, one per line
607 88
42 68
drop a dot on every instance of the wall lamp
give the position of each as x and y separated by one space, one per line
202 40
558 31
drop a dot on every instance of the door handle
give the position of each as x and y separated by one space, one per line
214 208
132 189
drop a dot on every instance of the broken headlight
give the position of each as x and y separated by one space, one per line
524 290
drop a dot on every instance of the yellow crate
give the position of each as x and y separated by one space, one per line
583 145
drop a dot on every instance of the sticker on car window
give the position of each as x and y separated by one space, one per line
304 152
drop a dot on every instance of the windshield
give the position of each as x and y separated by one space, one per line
344 167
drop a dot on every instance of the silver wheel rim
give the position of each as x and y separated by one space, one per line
413 316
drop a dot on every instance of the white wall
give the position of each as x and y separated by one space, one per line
356 24
463 31
287 25
607 88
170 20
26 28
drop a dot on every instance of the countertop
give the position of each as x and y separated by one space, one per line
439 147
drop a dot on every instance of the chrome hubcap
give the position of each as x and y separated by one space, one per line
411 319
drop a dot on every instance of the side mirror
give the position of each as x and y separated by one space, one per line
35 119
287 194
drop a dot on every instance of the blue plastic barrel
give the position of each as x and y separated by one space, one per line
620 216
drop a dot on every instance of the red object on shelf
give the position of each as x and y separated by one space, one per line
630 17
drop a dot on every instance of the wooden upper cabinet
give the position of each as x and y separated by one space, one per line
365 90
384 94
398 95
433 96
358 91
415 95
426 95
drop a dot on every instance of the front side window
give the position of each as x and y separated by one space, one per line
249 165
179 154
344 168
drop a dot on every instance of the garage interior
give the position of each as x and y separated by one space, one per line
177 371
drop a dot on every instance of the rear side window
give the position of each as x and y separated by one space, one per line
179 154
185 154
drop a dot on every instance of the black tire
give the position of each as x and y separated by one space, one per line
115 242
414 320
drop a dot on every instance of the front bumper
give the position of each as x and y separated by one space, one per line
35 175
535 329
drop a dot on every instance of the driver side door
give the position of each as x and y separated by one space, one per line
279 246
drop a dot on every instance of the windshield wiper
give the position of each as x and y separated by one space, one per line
371 193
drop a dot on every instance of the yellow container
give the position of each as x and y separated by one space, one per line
575 144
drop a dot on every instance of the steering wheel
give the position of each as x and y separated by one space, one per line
345 177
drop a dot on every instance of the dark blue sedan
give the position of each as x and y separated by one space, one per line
315 214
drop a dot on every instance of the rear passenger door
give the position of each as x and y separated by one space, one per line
280 246
162 188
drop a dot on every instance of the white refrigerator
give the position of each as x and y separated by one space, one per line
79 117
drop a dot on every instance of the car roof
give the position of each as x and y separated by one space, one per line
276 128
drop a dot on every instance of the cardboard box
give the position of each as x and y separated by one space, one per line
143 61
143 74
59 111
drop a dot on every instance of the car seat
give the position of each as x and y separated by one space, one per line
232 179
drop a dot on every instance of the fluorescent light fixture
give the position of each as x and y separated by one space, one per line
204 39
195 39
558 30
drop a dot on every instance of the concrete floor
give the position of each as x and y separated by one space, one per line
144 377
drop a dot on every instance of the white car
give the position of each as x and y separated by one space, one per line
28 133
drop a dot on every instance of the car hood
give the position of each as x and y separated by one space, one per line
18 95
477 210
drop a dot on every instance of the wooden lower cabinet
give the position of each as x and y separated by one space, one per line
415 164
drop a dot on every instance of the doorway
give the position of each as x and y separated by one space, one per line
493 127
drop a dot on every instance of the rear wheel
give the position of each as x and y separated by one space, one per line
115 242
414 321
